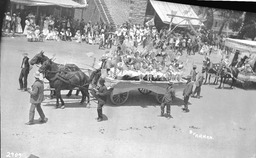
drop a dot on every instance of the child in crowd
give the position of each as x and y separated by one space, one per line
63 34
90 38
37 34
68 35
29 34
78 36
55 35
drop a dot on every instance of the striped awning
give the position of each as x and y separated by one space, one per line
62 3
242 45
180 12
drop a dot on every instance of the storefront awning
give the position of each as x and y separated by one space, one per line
242 45
180 12
62 3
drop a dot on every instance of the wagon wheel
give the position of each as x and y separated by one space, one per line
119 99
144 91
246 84
159 98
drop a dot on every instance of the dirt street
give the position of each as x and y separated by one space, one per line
221 124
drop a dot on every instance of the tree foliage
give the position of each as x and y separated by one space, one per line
230 17
248 29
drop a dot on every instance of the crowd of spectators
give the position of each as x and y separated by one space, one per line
67 29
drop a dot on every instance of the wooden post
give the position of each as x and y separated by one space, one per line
82 15
60 11
37 16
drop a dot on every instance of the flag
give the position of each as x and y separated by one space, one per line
151 22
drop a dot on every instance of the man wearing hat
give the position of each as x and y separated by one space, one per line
101 96
198 83
24 72
168 98
36 98
187 92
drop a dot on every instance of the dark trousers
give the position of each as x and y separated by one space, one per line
197 91
186 98
36 106
168 109
23 78
99 107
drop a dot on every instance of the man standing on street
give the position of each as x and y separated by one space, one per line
36 98
187 92
198 83
193 73
24 72
101 96
168 98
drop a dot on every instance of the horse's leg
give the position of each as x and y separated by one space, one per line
77 92
51 93
209 79
69 93
206 77
221 79
217 79
57 98
233 82
87 95
61 100
83 95
224 81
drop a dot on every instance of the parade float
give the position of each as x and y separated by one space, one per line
246 60
148 70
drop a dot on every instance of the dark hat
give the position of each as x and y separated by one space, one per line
194 66
101 81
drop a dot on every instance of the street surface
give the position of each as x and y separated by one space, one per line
221 124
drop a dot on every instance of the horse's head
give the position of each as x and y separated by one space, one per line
46 66
38 58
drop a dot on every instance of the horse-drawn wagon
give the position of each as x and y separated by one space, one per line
119 89
247 63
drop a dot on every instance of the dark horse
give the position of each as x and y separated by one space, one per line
40 58
211 69
226 73
65 80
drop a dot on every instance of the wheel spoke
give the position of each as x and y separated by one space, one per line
119 98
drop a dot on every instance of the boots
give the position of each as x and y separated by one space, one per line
100 118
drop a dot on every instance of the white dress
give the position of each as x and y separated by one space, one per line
18 27
45 29
26 27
